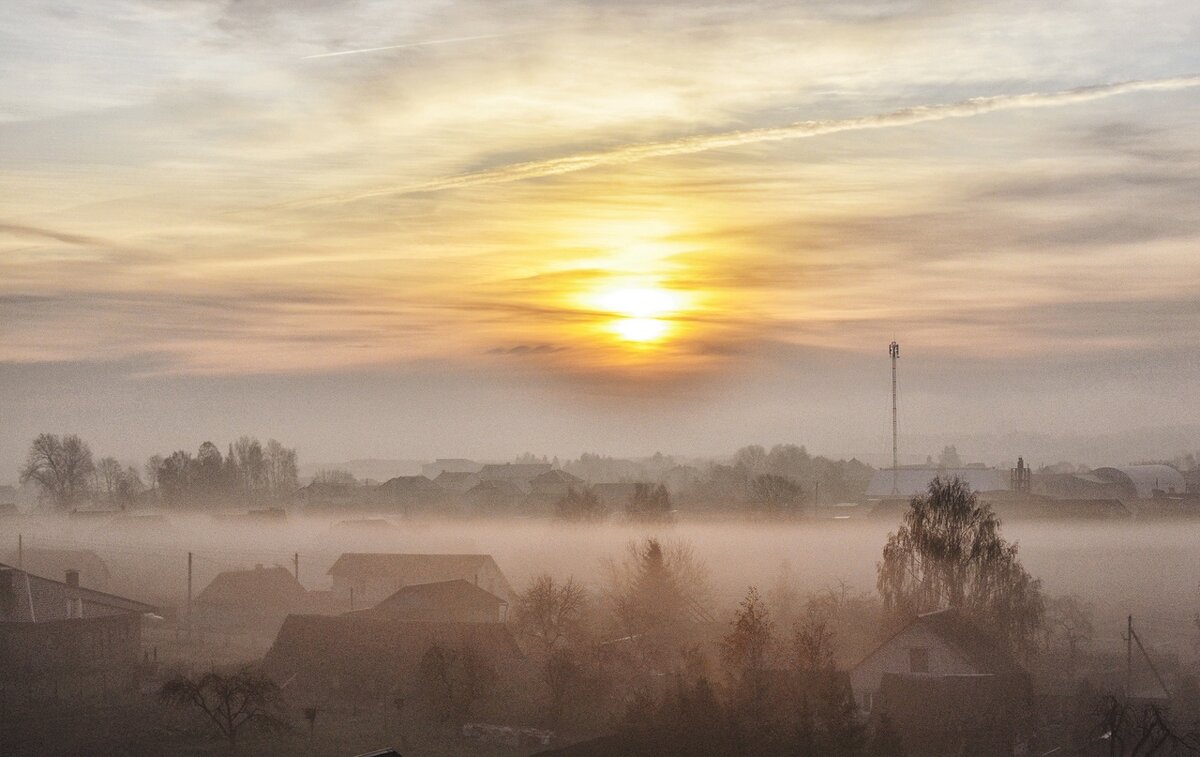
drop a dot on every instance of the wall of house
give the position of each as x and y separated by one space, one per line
62 659
894 656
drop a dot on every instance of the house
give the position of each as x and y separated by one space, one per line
942 657
249 600
1077 486
409 493
493 497
92 571
329 496
615 496
518 473
1145 481
59 640
551 486
937 643
456 601
457 482
360 659
449 465
372 577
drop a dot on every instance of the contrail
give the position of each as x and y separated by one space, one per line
406 46
799 130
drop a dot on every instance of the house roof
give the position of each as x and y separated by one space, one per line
498 486
317 649
257 588
522 471
36 600
456 594
55 562
556 477
414 568
978 648
416 484
913 482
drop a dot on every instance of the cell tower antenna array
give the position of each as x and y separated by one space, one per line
894 351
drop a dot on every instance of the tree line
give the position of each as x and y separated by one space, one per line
250 473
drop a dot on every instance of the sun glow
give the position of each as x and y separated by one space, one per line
643 313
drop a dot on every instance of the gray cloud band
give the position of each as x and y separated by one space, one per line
799 130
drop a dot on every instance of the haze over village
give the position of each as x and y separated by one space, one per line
599 379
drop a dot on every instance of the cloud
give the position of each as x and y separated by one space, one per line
36 232
427 43
799 130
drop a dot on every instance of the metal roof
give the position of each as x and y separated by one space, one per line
1145 479
913 482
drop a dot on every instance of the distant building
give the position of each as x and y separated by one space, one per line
326 496
496 497
376 576
913 482
456 601
458 482
361 659
1145 481
1078 486
551 486
938 644
249 600
1024 506
92 571
449 465
60 640
520 474
409 493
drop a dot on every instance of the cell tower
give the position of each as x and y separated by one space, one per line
894 351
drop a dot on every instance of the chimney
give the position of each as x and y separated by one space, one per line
72 578
8 590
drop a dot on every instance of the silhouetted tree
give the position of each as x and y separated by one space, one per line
231 701
774 495
550 612
61 467
1068 625
335 476
650 502
579 505
453 680
745 655
948 552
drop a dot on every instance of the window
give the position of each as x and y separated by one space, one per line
918 660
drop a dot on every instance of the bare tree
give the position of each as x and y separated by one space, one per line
281 469
774 494
61 468
453 680
550 612
109 471
231 702
812 642
745 654
335 476
1068 624
948 552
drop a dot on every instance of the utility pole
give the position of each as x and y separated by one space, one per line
189 599
21 551
894 352
296 564
1129 658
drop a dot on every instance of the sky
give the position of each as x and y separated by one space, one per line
420 229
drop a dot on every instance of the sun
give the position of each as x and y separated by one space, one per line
642 314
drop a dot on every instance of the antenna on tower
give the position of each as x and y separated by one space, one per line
894 351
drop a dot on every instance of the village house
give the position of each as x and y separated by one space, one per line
405 494
456 601
985 695
92 571
497 497
361 659
449 465
547 488
252 601
369 578
520 474
457 482
59 640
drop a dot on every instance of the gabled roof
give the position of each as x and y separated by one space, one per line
36 600
409 484
521 471
314 653
259 588
456 594
556 477
391 564
978 648
499 486
55 562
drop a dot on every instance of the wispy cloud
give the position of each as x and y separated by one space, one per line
975 106
408 45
